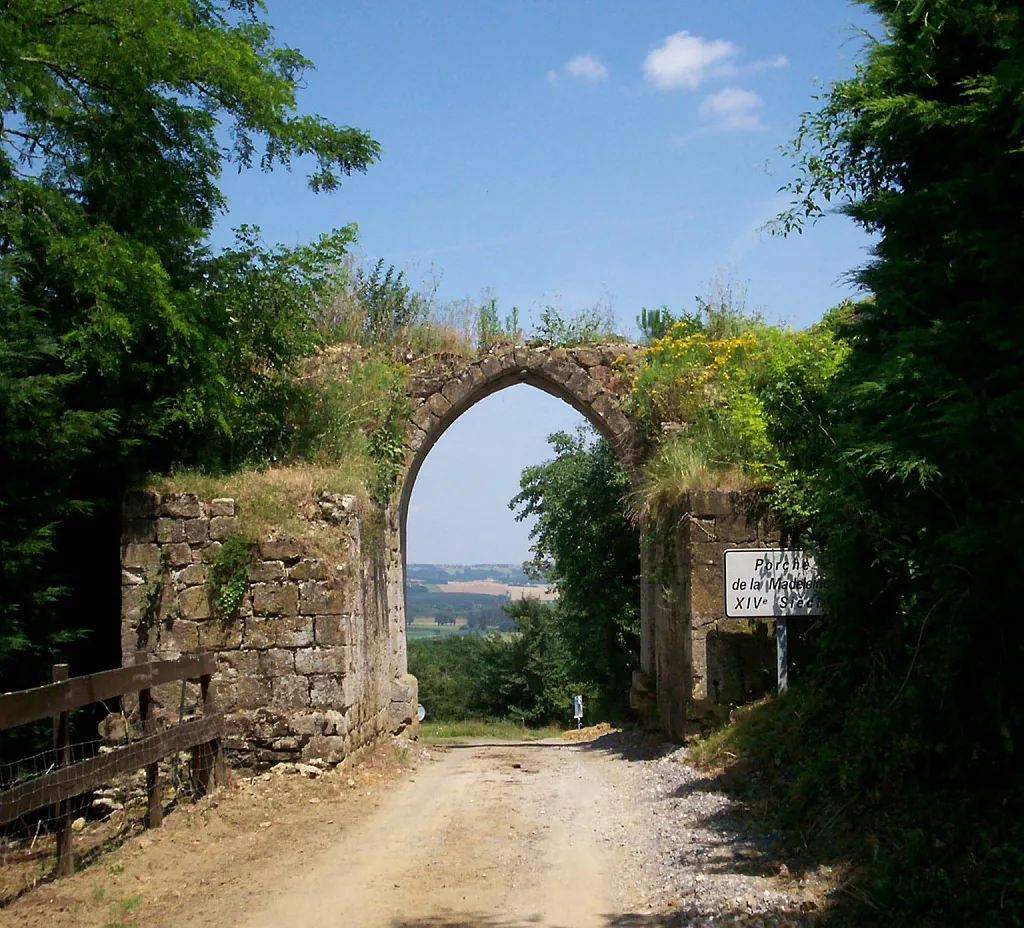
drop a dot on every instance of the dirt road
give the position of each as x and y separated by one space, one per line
506 834
608 833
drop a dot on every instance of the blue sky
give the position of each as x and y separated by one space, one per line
562 153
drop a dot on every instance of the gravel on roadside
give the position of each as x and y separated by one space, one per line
696 860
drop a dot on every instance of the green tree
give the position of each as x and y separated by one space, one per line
445 614
912 475
449 672
586 548
116 121
527 675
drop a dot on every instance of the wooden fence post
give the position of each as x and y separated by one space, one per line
155 808
62 810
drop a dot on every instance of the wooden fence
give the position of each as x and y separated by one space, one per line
57 787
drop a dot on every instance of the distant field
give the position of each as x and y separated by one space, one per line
430 632
443 573
492 588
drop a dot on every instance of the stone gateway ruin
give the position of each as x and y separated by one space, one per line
312 657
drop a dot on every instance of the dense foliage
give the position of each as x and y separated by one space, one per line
587 642
127 345
705 390
906 472
585 548
524 676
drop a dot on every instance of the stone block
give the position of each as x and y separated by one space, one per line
179 636
194 603
472 377
325 747
170 531
606 406
736 529
414 439
325 692
182 506
712 502
197 531
319 598
224 506
588 357
438 404
247 692
267 571
455 391
583 386
331 630
208 554
285 744
233 664
221 635
404 688
307 723
321 660
193 575
277 662
734 627
560 371
309 570
178 555
527 358
140 555
138 531
167 602
490 367
132 577
133 604
281 549
275 598
335 722
424 419
292 632
289 692
223 527
140 504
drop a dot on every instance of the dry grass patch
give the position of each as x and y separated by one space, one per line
277 499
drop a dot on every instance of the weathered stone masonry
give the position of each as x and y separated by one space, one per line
310 666
702 661
314 664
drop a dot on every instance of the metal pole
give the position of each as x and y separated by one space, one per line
782 650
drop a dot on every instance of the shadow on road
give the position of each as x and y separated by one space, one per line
626 920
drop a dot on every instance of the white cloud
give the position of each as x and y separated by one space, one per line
587 67
685 60
732 109
777 61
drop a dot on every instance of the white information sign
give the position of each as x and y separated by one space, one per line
769 582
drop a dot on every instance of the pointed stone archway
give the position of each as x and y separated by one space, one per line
586 378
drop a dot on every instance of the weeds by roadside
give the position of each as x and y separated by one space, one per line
499 730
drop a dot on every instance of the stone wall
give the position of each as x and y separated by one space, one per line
312 665
703 661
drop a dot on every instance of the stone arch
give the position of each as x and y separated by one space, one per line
585 378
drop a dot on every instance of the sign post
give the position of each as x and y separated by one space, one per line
577 710
773 583
782 653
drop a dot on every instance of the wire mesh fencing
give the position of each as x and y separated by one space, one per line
96 792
